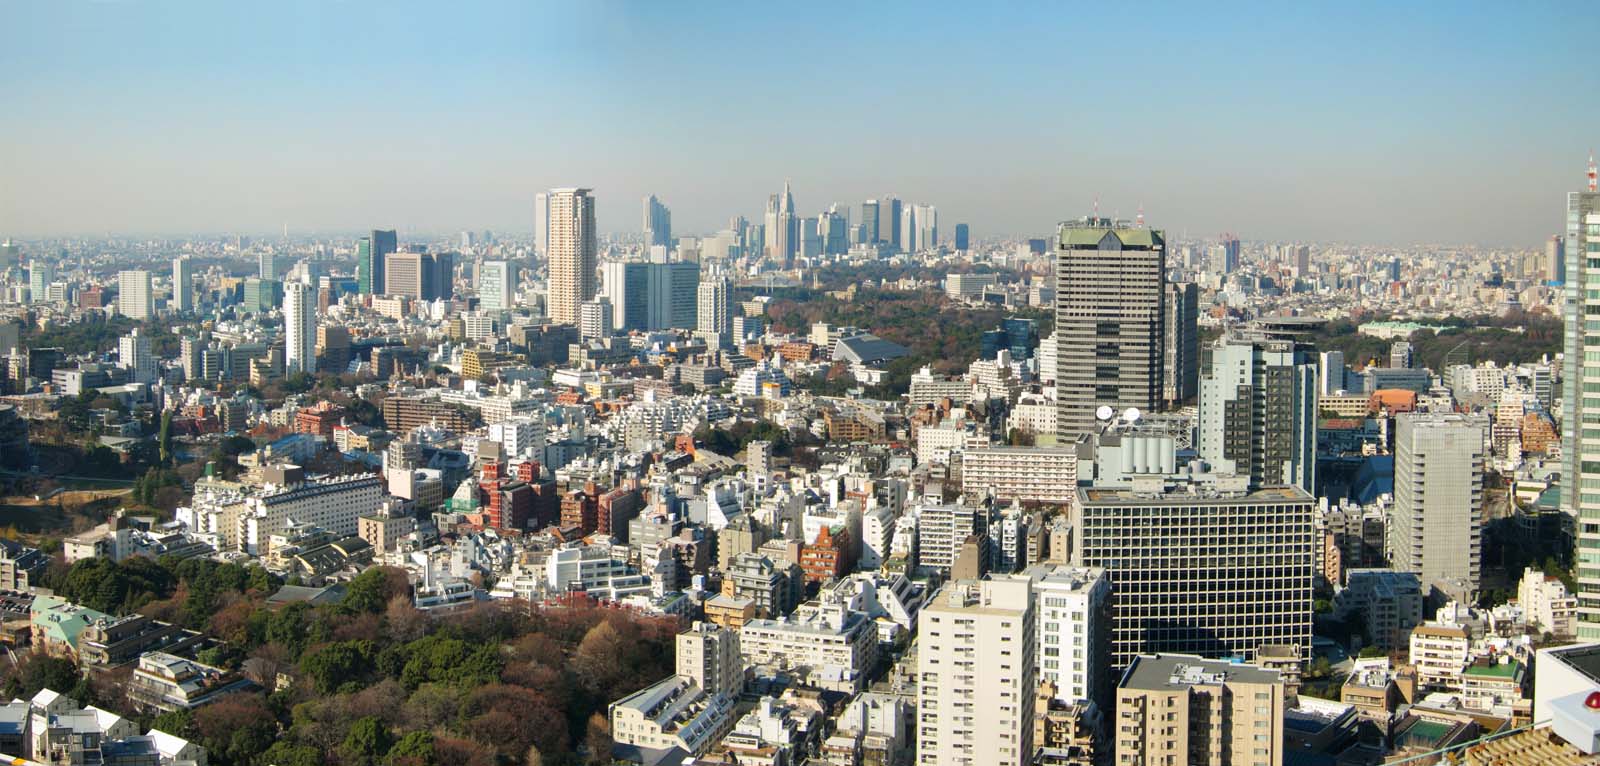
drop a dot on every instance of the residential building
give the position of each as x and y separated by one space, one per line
299 328
1182 709
1029 475
976 678
1580 466
1440 458
1072 609
572 253
135 299
823 644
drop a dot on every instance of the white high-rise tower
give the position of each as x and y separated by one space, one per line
572 254
299 328
182 285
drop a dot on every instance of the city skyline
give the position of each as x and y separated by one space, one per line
135 122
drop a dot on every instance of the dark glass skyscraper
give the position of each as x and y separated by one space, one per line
961 236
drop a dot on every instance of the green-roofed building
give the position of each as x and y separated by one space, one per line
57 624
1110 320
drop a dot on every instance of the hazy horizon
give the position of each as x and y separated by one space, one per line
1426 124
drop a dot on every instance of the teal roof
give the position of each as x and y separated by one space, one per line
1088 235
62 620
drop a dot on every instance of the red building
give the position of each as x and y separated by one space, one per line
827 558
580 509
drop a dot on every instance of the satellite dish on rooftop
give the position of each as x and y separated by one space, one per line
1104 412
1131 414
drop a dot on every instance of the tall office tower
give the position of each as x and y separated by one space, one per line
963 237
678 307
299 328
1110 317
1394 270
134 354
1258 411
1555 259
134 296
769 240
1438 493
833 231
497 285
788 228
182 285
594 319
926 230
40 275
627 284
572 253
1189 710
1072 607
869 219
1331 373
402 274
383 242
270 267
715 309
889 212
364 266
541 223
1230 253
1401 356
1199 568
657 223
1302 260
1181 351
1581 461
975 666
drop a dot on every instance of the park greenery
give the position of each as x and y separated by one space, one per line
369 680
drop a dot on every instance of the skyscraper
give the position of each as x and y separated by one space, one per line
963 237
1110 317
182 285
364 266
1438 494
975 663
40 275
270 268
371 258
657 223
402 274
788 229
134 299
716 309
594 319
1579 461
572 255
299 328
1181 362
1555 258
869 219
1258 411
497 285
541 223
769 229
889 212
652 296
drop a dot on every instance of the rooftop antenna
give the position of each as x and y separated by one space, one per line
1096 210
1591 171
1139 221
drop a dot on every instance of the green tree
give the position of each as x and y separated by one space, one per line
414 749
334 665
366 743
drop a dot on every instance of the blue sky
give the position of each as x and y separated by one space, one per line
1435 122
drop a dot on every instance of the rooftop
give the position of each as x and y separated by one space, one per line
1174 672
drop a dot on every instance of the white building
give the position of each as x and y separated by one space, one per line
182 285
497 286
135 299
1071 608
335 504
975 667
941 529
822 644
1025 474
1547 605
134 355
299 328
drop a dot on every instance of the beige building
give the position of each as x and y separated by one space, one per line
975 662
709 655
1027 474
572 253
1181 709
1440 653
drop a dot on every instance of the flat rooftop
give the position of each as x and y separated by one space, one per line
1175 672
